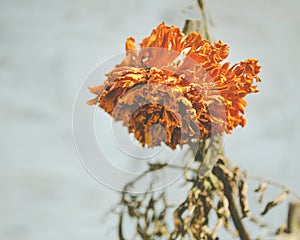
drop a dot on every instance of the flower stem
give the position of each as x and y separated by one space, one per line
228 191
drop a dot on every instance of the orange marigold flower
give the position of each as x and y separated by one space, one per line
176 89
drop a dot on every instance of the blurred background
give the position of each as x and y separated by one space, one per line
47 48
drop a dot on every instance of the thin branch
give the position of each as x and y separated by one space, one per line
275 184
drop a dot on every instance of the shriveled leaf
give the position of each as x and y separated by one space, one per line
243 188
262 187
279 199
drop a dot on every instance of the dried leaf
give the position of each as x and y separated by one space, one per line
258 222
279 199
243 188
282 229
262 187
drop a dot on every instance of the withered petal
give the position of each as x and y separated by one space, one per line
160 100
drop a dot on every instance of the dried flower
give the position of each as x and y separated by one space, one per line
175 88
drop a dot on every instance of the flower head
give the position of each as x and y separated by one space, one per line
176 88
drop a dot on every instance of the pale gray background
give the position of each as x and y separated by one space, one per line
47 48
